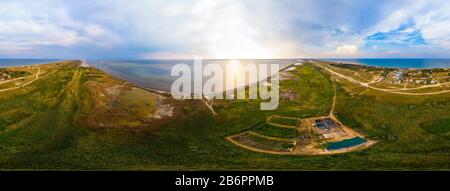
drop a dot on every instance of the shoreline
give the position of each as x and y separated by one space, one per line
135 82
331 60
140 85
383 67
52 61
131 81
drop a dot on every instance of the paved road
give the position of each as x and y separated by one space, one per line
386 90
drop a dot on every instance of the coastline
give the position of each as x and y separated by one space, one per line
142 85
156 90
39 62
129 80
346 61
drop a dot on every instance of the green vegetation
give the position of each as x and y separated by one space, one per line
284 121
441 126
7 74
138 101
2 124
48 127
263 143
273 131
394 120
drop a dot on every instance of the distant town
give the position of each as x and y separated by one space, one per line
9 74
399 76
420 76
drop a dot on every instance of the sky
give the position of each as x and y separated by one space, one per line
180 29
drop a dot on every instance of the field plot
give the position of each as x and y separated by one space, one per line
281 121
275 131
262 144
311 136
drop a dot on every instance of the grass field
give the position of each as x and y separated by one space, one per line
283 120
138 101
440 127
273 131
46 125
263 143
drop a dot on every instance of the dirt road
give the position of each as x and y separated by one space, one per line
20 86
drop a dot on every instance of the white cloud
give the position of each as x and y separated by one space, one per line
29 26
347 49
435 26
215 29
430 17
166 55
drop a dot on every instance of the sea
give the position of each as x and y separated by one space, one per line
156 74
10 62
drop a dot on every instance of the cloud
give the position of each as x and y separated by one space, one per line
31 26
435 25
215 29
166 55
413 27
406 35
347 49
224 28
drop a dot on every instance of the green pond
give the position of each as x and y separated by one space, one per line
355 141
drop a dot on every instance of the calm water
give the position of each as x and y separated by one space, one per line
346 143
399 63
155 74
23 62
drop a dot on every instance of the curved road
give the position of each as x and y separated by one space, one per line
20 86
385 90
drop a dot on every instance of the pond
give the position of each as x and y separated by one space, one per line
355 141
